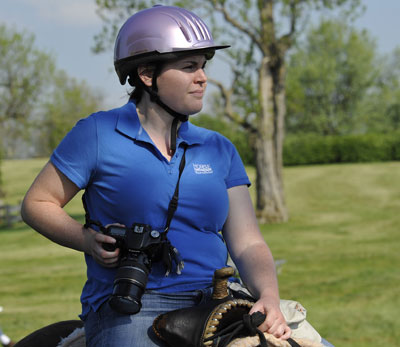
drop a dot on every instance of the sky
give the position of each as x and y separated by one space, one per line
65 29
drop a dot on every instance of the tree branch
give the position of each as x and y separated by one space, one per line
285 42
221 9
228 108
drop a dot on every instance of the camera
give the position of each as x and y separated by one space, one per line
139 246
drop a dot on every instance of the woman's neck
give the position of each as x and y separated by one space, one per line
157 122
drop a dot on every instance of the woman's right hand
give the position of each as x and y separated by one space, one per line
94 246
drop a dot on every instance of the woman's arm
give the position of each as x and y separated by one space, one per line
42 209
254 260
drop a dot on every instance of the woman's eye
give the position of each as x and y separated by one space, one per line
193 67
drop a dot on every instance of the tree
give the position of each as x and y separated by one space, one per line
67 101
261 33
330 76
382 105
24 74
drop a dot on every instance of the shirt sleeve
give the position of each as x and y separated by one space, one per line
237 174
76 155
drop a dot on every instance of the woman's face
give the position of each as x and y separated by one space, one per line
182 83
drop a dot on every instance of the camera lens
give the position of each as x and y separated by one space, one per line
129 285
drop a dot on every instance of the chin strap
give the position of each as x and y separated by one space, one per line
153 92
177 116
174 134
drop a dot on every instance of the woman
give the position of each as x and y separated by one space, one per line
128 161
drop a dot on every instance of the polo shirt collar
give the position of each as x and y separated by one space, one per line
128 123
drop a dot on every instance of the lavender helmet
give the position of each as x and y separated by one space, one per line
160 33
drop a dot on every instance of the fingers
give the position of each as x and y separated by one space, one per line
95 247
280 329
109 259
106 257
274 323
287 333
102 238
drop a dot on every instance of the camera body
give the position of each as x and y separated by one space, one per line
139 246
139 237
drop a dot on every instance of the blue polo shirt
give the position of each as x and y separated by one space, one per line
127 180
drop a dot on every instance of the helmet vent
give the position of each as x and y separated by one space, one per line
185 32
203 30
194 28
198 30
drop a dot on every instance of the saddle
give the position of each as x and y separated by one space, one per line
221 322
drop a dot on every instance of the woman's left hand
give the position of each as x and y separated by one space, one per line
274 323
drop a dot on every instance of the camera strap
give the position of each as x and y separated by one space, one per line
173 204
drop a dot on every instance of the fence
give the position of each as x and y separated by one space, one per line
9 214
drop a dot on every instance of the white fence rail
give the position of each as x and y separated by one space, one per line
9 215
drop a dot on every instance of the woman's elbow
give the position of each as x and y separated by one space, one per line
26 210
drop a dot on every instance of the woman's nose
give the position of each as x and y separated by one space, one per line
201 76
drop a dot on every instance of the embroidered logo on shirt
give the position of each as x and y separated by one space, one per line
201 169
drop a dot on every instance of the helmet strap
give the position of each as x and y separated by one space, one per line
153 92
174 133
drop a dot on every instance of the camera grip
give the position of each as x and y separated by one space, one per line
109 247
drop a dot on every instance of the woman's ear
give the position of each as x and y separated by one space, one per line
145 73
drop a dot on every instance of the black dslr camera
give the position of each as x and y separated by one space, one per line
139 246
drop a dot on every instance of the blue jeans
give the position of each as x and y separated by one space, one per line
107 328
326 343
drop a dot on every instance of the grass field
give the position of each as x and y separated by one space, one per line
341 251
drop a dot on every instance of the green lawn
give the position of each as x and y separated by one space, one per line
341 251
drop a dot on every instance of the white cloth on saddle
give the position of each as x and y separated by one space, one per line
295 315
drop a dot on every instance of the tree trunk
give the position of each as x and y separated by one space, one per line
270 204
280 113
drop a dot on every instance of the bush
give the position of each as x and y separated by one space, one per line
311 149
396 146
316 149
1 177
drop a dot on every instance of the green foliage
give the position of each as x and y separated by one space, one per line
329 76
233 132
308 149
24 74
340 248
68 101
1 176
381 107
